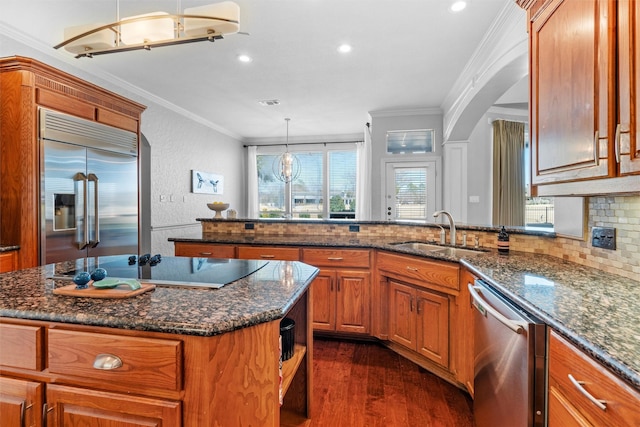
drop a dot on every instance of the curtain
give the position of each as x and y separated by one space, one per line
363 177
508 173
253 210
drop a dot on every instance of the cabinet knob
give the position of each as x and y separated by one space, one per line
107 362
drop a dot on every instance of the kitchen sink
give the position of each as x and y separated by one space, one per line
438 249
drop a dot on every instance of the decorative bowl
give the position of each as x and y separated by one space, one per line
219 208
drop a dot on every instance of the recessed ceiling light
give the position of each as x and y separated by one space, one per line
344 48
244 58
457 6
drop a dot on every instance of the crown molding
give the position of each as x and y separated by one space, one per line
406 112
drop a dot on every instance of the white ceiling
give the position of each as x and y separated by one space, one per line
406 54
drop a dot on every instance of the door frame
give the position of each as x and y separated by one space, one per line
416 161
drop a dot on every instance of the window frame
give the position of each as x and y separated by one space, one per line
324 149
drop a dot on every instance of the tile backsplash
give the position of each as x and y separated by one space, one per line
619 212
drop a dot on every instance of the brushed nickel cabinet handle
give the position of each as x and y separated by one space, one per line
107 362
602 404
596 148
267 256
206 253
411 268
335 258
617 143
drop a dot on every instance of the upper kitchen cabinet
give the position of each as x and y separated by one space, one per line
25 86
578 99
627 147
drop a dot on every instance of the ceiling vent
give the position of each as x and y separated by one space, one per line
269 102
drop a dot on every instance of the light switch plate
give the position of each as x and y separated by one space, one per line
603 237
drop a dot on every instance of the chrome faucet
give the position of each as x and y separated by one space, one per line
452 225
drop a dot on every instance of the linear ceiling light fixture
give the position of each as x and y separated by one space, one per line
157 29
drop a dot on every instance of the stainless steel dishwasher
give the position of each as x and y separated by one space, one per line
510 362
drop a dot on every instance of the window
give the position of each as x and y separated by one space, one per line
418 141
325 188
538 211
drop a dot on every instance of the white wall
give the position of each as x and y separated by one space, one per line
383 121
480 163
178 144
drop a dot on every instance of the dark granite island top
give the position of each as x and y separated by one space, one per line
261 297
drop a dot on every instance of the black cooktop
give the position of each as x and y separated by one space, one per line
175 271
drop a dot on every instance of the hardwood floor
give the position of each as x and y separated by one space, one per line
365 384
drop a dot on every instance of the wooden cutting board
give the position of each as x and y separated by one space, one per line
121 291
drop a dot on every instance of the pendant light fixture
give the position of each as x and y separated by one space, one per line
286 167
156 29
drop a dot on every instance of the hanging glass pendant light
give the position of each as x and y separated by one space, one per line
286 167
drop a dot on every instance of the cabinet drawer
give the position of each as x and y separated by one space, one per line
439 273
8 261
21 346
268 252
337 257
205 250
146 362
622 401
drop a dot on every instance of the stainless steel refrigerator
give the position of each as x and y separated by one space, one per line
88 188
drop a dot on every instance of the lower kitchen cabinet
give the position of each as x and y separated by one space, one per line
8 261
76 407
342 289
204 250
583 393
341 301
20 402
419 320
269 253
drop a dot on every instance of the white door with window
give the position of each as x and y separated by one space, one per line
411 190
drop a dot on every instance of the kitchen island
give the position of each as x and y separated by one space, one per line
190 356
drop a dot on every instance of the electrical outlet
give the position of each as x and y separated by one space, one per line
249 226
354 228
603 237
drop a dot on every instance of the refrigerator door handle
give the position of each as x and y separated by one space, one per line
82 227
96 218
485 308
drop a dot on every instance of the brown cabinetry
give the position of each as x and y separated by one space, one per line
419 320
341 291
583 113
21 402
27 85
583 393
76 407
8 261
419 304
79 375
269 252
204 250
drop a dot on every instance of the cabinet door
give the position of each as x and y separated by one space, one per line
324 306
433 326
70 407
627 138
402 324
572 91
353 307
20 403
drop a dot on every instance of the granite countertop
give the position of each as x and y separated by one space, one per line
263 296
594 310
8 248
